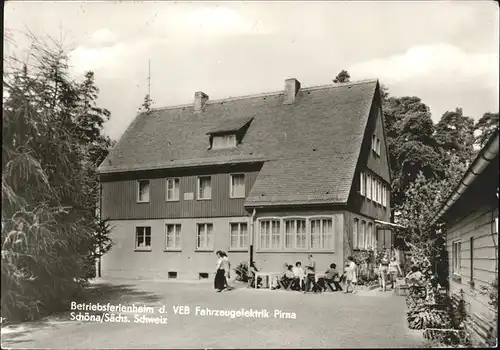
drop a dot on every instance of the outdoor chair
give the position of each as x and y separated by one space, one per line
285 283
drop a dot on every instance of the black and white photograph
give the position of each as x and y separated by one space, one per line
250 175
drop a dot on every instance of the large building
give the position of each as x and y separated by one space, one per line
470 217
269 177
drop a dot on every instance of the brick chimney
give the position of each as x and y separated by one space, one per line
292 87
200 98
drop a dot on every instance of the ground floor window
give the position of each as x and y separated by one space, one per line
297 233
143 238
172 236
239 235
204 236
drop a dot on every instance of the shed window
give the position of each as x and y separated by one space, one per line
456 252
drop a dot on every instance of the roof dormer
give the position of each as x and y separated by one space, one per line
229 134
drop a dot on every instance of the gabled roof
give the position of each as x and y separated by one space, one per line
309 148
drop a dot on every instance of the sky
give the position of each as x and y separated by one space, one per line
445 52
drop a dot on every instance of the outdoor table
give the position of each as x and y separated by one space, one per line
268 275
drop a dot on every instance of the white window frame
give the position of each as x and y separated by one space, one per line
362 184
138 187
363 235
230 141
136 238
173 180
239 246
371 236
456 252
369 186
295 233
198 188
281 238
176 239
374 138
231 194
355 233
322 236
206 247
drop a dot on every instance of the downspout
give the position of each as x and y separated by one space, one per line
252 218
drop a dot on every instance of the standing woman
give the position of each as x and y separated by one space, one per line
226 264
394 269
220 278
383 270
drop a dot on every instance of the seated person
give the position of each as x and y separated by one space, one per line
332 276
299 275
287 276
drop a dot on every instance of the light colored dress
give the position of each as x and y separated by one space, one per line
351 272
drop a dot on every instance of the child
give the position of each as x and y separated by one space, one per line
350 275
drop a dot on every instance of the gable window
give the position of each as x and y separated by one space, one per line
368 186
172 236
224 141
355 225
321 233
143 191
172 189
362 184
374 143
295 233
456 251
237 189
377 148
143 238
204 187
270 234
204 237
239 235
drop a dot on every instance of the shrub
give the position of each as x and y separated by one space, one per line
242 272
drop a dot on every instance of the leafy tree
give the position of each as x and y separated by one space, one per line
484 128
51 128
455 134
342 77
146 105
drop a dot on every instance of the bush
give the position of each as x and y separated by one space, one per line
242 272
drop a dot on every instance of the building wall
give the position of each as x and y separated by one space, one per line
479 225
273 260
124 261
119 194
375 165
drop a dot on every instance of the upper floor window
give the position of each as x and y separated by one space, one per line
143 191
270 234
239 235
143 238
204 236
295 233
204 187
362 184
172 236
224 141
237 184
368 186
172 189
376 144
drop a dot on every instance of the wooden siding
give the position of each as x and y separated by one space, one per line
373 164
119 194
478 225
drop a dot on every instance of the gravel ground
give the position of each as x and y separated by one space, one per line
332 320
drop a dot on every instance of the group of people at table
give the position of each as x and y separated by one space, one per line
306 279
